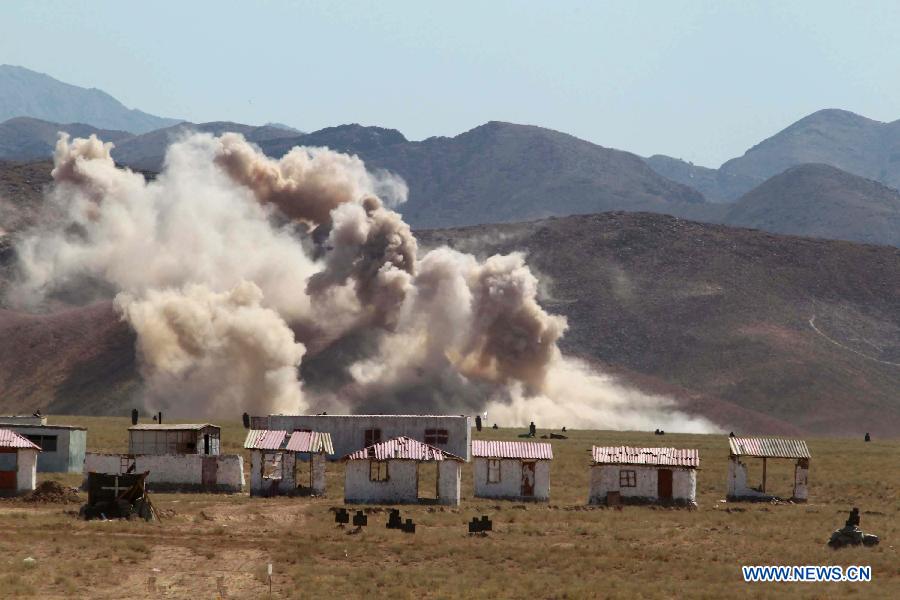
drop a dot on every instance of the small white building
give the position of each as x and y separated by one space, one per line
18 463
287 463
450 433
62 446
180 457
388 473
766 448
514 470
625 474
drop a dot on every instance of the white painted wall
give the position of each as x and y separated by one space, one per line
172 471
738 487
510 484
348 431
801 481
26 470
605 478
449 475
401 486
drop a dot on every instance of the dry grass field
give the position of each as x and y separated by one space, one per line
218 545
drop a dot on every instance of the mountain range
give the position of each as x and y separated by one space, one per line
504 172
839 138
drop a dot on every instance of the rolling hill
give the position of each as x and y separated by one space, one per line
28 139
26 93
801 330
821 201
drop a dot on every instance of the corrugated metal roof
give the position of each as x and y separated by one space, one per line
768 447
11 439
498 449
172 427
403 448
310 441
262 439
630 455
298 441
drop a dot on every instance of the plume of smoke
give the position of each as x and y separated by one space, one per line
306 183
216 352
374 249
202 275
218 291
574 395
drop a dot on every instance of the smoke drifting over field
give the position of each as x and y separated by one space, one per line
233 267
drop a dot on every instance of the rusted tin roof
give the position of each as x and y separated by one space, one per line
172 427
11 439
262 439
310 441
768 447
498 449
298 441
662 457
402 448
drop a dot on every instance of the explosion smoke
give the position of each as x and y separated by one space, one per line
226 297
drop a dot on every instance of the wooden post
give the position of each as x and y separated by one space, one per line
764 476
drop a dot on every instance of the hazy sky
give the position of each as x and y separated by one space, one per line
698 80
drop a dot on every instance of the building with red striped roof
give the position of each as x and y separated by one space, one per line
629 474
513 470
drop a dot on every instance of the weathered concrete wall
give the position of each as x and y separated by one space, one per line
348 431
317 464
401 486
737 481
26 471
173 471
801 481
70 447
510 484
606 478
449 475
287 483
739 489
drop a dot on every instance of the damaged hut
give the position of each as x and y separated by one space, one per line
743 448
388 473
625 474
287 463
514 470
18 463
178 457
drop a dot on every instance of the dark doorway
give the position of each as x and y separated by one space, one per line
210 472
206 444
664 484
528 468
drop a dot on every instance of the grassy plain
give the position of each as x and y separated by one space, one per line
218 545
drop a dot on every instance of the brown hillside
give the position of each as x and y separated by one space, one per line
723 313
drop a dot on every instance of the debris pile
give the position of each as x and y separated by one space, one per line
52 492
118 497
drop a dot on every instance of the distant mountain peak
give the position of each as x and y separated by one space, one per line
27 93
